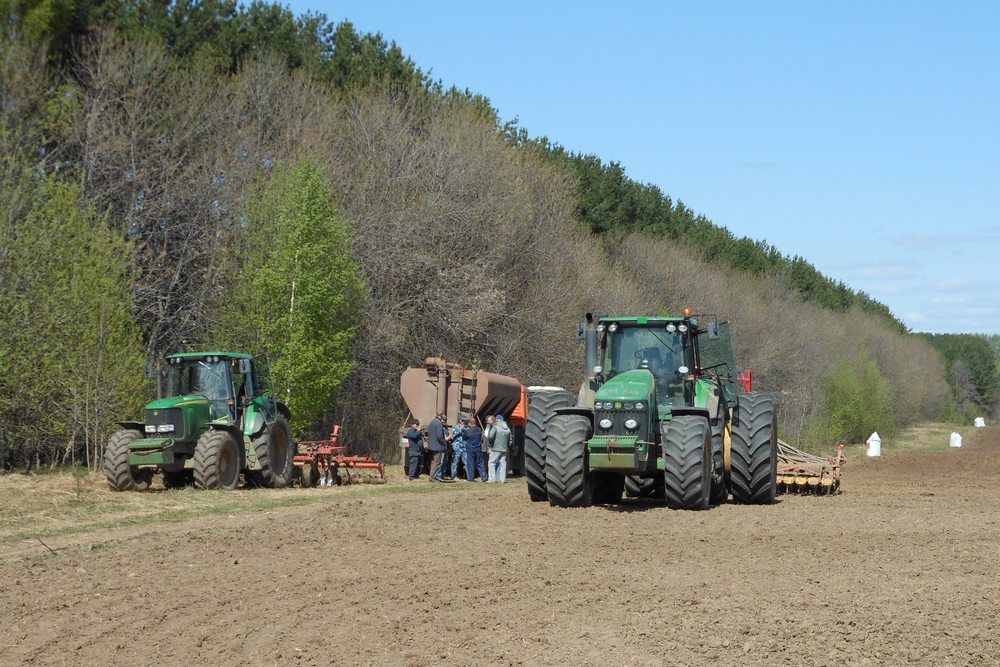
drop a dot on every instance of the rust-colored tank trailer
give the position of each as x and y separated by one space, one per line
442 386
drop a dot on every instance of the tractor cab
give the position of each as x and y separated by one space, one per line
227 381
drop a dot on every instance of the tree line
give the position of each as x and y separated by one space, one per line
178 176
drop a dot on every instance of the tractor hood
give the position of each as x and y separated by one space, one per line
177 402
634 385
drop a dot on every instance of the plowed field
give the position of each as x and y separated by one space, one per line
903 567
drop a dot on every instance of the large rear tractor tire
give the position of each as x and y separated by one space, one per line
720 492
121 476
275 452
687 454
754 455
567 480
217 461
608 488
541 410
643 487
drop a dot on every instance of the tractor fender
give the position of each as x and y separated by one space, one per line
700 412
576 410
284 411
138 426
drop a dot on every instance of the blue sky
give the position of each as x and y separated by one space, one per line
863 136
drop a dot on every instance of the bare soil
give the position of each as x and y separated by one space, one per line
902 567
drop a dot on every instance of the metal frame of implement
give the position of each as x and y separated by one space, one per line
801 472
322 460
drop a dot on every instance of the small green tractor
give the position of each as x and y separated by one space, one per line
218 419
661 413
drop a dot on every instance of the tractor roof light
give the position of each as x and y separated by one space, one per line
671 328
688 312
613 327
600 328
682 328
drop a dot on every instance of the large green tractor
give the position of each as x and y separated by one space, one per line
660 414
218 419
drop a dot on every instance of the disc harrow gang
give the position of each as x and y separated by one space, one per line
321 462
801 472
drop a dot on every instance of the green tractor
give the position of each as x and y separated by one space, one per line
661 413
218 419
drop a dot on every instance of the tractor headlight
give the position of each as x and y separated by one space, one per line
631 424
165 428
150 428
605 423
598 369
629 405
639 405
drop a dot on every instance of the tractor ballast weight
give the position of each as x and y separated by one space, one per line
660 413
218 419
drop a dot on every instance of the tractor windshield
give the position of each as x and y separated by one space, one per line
658 350
208 378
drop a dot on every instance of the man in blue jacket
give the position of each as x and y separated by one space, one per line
414 449
437 444
473 437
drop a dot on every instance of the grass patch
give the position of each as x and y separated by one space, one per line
925 437
57 505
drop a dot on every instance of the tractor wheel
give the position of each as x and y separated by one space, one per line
275 452
142 478
687 455
541 409
719 490
116 467
608 488
643 487
754 456
216 461
567 480
310 476
176 480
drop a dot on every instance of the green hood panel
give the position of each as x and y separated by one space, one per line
177 402
634 385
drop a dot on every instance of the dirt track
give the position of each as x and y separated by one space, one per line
902 567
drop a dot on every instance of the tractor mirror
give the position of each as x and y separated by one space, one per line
713 330
245 366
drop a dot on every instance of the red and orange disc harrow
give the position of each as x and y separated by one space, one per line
326 463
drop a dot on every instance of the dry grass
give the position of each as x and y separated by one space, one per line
923 437
57 504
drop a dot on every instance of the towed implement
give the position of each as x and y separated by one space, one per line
802 472
320 462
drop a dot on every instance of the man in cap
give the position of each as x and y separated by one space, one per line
499 445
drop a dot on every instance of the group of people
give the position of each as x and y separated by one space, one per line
467 443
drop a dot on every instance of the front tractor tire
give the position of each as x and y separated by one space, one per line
276 454
217 461
643 487
542 407
567 480
754 455
687 456
120 475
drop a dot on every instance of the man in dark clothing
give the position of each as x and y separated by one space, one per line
414 449
473 436
437 444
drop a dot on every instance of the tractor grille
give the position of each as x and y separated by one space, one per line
618 418
167 416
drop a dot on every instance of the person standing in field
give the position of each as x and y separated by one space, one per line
414 449
473 437
458 444
499 445
437 444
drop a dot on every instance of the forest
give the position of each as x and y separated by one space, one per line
174 175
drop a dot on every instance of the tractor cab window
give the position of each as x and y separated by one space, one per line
208 378
657 350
